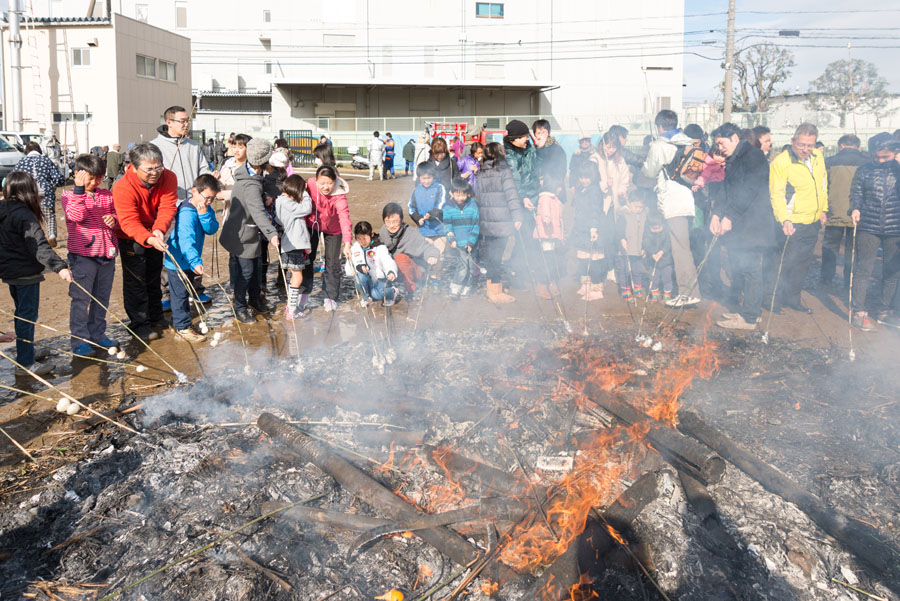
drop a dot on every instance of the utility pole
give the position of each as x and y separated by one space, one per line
15 65
729 63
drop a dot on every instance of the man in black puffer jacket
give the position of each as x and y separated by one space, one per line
744 219
500 215
875 211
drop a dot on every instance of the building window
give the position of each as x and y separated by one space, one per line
267 16
142 12
489 10
146 66
81 57
268 65
181 15
71 117
324 122
166 70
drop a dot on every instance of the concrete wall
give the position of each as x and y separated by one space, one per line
440 41
142 100
51 83
123 106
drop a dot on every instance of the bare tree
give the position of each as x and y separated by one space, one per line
849 86
758 70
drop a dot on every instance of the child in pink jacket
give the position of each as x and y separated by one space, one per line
713 170
92 225
330 220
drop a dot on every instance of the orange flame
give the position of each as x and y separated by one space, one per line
389 464
615 534
489 587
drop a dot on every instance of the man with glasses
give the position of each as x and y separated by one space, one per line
798 190
145 199
181 154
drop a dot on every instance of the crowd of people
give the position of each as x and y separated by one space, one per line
663 223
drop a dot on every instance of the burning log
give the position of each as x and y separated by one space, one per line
558 580
336 519
862 540
364 486
486 475
499 509
687 454
705 509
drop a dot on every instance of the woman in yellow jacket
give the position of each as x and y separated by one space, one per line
798 187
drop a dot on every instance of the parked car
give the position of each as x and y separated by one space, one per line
19 139
9 157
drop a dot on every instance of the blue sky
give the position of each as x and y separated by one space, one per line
820 28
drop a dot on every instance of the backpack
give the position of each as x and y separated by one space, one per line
686 165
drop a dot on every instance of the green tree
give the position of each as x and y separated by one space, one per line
758 70
849 86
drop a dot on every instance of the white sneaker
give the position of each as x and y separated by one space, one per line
737 323
454 289
330 305
363 303
682 301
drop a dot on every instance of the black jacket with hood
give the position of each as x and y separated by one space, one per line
24 250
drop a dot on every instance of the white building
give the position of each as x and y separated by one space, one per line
332 65
98 81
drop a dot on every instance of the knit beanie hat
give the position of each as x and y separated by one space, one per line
278 160
883 141
516 129
259 150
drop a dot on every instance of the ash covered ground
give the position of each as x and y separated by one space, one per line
102 508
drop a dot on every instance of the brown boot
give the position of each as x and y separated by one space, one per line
496 295
541 291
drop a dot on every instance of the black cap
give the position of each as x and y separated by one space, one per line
516 129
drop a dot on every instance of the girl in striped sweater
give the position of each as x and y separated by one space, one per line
92 225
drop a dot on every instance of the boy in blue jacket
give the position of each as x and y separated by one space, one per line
426 204
193 221
461 223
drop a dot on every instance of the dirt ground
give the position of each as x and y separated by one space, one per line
33 422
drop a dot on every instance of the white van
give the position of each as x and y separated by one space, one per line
20 138
9 157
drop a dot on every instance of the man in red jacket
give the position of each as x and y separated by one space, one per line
145 199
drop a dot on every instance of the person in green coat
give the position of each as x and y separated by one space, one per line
521 157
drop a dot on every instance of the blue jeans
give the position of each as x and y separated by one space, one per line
26 300
87 319
461 265
179 296
375 289
245 280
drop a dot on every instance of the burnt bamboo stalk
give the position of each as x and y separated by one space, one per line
557 580
684 452
704 507
484 474
863 541
357 482
337 519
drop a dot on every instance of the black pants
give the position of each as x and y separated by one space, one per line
747 272
331 279
141 292
797 259
491 255
831 248
245 280
866 252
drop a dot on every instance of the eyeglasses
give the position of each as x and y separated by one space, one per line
156 169
182 121
208 198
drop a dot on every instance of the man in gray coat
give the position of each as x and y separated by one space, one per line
181 154
240 233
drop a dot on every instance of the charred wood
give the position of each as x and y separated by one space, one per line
862 540
364 486
336 519
557 580
486 475
684 452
